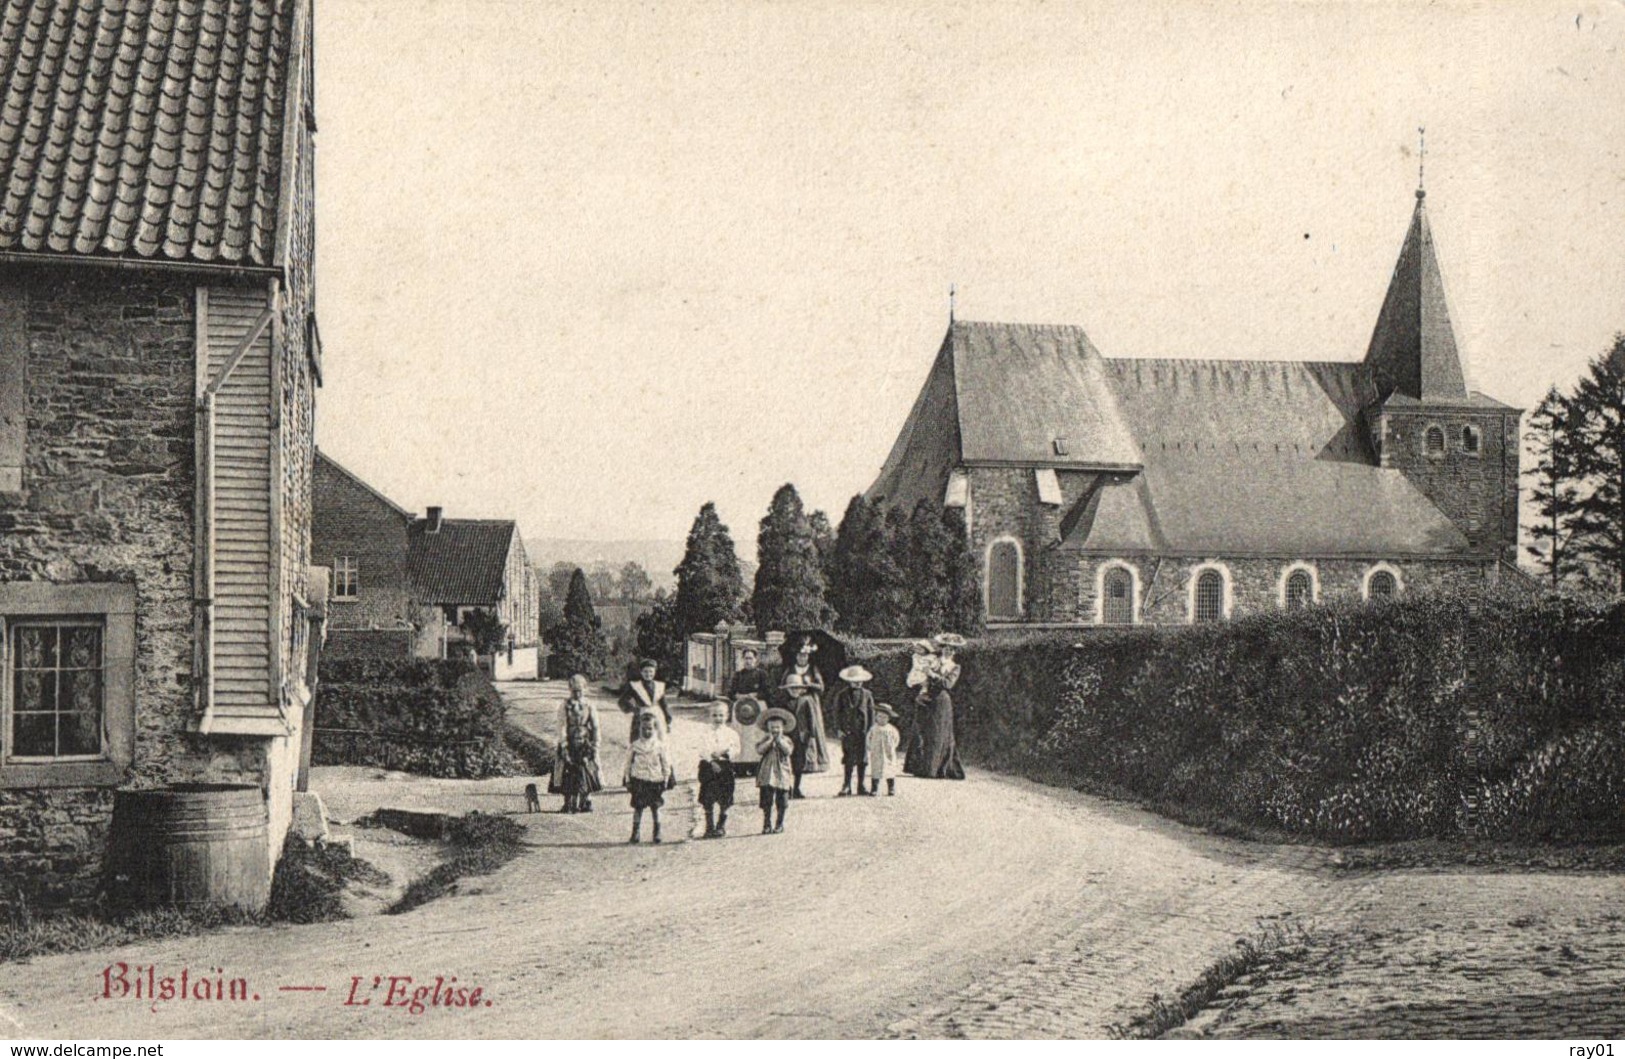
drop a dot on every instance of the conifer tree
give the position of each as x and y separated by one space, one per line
709 585
1599 460
967 614
577 642
789 578
658 637
1554 489
930 550
848 569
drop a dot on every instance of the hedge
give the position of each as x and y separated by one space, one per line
1441 716
435 718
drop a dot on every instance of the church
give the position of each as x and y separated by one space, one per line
1102 491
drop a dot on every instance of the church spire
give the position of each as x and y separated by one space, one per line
1413 349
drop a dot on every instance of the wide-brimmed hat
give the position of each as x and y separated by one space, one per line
920 647
948 639
856 675
786 716
888 710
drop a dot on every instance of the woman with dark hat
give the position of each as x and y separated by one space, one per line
802 689
931 750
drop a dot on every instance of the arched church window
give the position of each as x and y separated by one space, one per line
1117 606
1470 439
1209 602
1381 585
1434 441
1004 580
1300 590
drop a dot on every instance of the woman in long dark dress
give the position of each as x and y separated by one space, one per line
802 691
932 753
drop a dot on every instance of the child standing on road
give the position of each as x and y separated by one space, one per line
774 776
854 712
882 745
648 769
717 753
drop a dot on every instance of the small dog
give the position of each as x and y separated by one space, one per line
533 799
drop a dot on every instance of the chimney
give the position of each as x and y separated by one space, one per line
434 519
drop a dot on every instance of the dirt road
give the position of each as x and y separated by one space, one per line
988 908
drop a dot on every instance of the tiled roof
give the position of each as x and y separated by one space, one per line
147 129
463 563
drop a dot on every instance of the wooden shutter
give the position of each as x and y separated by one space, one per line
238 339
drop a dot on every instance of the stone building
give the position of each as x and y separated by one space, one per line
401 585
158 366
1120 491
361 536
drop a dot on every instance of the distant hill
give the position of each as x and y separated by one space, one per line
659 558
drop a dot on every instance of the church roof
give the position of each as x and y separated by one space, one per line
1413 348
1007 394
1257 457
1233 457
1228 505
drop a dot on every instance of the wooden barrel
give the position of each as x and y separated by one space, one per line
189 845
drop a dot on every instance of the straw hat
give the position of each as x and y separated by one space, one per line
888 710
856 675
786 716
948 639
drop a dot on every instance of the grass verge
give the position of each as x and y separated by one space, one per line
480 843
307 888
1272 946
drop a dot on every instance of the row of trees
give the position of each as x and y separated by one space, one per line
1577 499
884 573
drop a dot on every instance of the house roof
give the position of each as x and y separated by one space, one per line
1413 348
465 562
145 129
340 469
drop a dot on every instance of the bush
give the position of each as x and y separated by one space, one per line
1426 717
435 718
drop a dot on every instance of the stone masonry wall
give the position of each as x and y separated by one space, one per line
1004 503
351 521
296 419
108 496
1164 587
1478 492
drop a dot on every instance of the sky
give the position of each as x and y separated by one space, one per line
590 266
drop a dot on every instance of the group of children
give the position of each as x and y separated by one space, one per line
869 753
869 745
